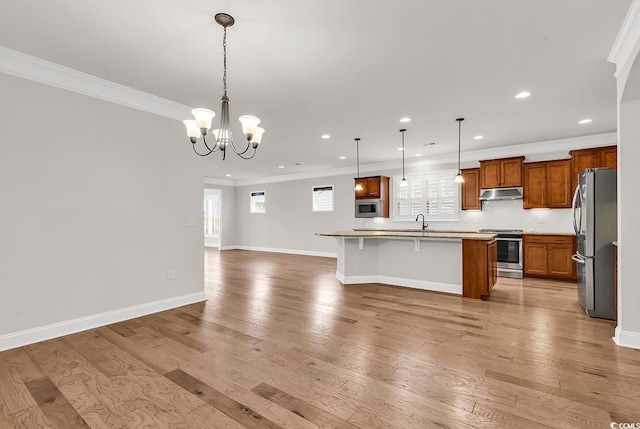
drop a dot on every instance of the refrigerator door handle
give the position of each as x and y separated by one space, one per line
577 258
573 210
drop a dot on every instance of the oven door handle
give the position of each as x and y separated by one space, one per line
508 239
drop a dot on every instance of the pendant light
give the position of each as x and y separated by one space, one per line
459 178
358 184
403 182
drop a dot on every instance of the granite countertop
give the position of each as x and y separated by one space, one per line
568 234
417 230
469 235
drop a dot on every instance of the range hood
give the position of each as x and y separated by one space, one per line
500 194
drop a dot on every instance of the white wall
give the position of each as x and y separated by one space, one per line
289 223
95 198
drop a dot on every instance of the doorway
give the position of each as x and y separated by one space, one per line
211 204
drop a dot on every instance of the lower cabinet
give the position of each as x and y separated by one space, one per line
549 256
479 267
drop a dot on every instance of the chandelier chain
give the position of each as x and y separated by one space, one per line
224 61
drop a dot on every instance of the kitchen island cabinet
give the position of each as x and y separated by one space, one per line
462 263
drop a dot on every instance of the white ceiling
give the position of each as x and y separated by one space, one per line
348 68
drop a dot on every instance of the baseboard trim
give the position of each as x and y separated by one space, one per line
278 250
627 338
399 281
55 330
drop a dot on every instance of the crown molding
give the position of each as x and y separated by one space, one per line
28 67
628 36
536 148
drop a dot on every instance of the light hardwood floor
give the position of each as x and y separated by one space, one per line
280 343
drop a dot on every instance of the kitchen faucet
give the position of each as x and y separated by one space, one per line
424 225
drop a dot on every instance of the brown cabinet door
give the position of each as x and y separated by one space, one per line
511 171
560 264
471 189
535 259
361 193
534 185
609 157
370 188
490 174
559 191
493 263
581 159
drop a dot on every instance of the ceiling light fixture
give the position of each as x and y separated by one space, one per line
584 121
358 184
403 182
478 137
325 136
222 135
343 157
405 119
523 94
459 178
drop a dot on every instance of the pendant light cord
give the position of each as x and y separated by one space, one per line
357 139
459 126
402 131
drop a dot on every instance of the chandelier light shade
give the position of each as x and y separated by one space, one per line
403 182
223 140
358 184
459 178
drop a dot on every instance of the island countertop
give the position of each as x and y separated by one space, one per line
409 234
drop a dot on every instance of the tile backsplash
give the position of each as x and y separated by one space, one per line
503 214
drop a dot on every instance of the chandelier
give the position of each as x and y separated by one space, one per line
200 125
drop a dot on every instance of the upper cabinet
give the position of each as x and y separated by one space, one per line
375 187
501 173
592 158
470 189
547 184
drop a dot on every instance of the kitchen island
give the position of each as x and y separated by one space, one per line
461 263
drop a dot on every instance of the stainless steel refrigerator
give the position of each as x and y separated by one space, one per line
595 220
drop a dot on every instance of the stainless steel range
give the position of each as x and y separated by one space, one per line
509 251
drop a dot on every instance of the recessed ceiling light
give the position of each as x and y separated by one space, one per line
523 94
584 121
281 166
478 137
418 154
400 148
343 157
228 175
405 119
325 136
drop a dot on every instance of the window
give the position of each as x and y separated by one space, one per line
323 198
433 194
258 202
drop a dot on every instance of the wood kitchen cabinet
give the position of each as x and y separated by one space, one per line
547 184
479 267
549 256
501 173
374 187
597 157
471 189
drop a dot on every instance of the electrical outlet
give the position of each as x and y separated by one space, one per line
171 274
191 221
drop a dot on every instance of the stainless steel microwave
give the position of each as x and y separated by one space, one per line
368 208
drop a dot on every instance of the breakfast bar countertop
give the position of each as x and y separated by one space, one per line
416 233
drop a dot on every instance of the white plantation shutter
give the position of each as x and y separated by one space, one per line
323 198
433 194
